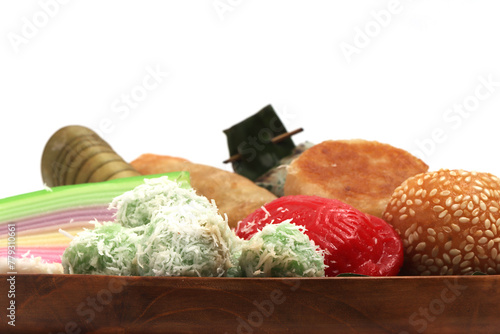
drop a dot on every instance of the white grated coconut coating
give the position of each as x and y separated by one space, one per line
186 238
108 249
136 207
281 250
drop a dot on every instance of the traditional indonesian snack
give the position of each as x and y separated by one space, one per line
185 240
235 195
281 250
75 154
352 241
358 172
161 229
136 207
108 249
449 222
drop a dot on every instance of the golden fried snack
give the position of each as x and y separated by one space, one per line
234 194
358 172
448 222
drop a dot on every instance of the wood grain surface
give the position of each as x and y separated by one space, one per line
112 304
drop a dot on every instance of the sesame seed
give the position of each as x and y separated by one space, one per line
431 231
475 198
462 244
454 251
457 259
431 239
426 205
483 195
482 206
437 208
435 251
480 249
447 246
455 207
436 200
446 258
416 257
491 243
467 179
409 202
410 238
418 202
482 240
466 270
457 188
444 270
449 201
412 212
469 256
411 192
468 248
479 182
445 193
433 192
402 210
403 217
421 246
475 220
464 264
420 181
425 273
421 268
470 206
493 229
419 191
478 233
441 236
429 262
459 198
420 230
470 239
406 243
403 198
491 271
446 229
434 269
488 233
455 227
463 220
438 262
475 212
478 188
458 213
442 214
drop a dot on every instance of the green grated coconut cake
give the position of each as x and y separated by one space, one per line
281 250
108 249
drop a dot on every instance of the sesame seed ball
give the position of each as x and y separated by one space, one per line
449 222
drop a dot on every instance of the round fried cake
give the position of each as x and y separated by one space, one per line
358 172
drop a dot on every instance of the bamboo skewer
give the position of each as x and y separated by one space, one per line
274 140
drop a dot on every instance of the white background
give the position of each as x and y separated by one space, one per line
227 59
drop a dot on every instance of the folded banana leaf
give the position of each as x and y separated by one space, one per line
251 139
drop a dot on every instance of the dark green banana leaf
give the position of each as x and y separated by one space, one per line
251 138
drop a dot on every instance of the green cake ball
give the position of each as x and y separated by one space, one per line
136 207
108 249
186 240
281 250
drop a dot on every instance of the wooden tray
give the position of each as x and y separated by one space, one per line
112 304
